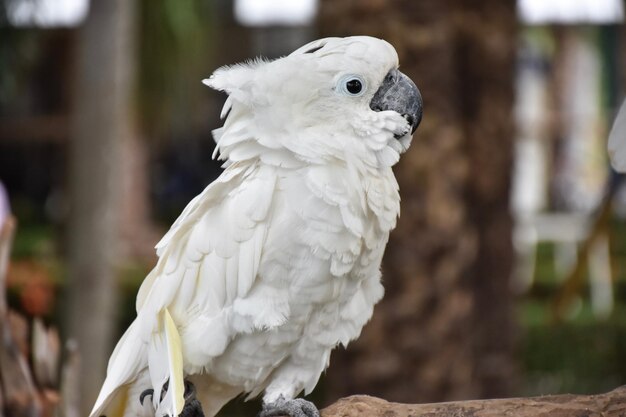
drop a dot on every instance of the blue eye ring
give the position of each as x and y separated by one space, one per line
352 85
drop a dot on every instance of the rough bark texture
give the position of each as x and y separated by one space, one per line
444 329
17 391
101 122
611 404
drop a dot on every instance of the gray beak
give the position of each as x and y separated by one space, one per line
400 94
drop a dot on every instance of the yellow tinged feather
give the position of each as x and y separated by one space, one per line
175 360
118 408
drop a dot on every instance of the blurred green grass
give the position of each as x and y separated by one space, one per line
583 353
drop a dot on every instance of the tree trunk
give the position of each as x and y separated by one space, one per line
101 122
445 328
138 235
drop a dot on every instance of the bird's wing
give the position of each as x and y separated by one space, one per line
124 366
208 261
617 141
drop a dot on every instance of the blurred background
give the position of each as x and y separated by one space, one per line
506 275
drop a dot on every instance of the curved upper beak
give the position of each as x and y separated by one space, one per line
400 94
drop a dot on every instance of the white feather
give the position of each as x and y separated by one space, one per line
126 361
165 361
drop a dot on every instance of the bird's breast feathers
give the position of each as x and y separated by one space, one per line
319 238
317 277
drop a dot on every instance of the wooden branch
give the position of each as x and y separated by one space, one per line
611 404
19 395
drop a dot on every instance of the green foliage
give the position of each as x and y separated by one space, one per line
34 241
578 356
174 50
583 354
20 51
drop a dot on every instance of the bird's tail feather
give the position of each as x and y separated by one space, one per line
165 360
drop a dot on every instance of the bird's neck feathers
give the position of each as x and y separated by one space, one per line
245 138
249 135
277 122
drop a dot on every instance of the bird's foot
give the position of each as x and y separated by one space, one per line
297 407
192 407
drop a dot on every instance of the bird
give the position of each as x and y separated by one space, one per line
278 260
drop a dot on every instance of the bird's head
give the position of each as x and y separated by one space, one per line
332 99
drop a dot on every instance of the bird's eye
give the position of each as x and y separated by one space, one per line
352 85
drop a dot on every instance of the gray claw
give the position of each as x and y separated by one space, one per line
192 407
144 394
297 407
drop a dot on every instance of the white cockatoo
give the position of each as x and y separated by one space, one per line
617 141
278 260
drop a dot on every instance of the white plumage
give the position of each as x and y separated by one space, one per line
278 260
